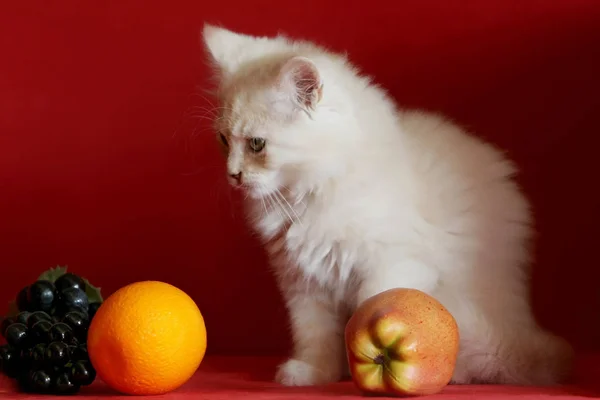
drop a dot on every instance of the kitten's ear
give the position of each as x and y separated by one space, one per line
223 46
300 78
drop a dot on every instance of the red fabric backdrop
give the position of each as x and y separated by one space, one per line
101 169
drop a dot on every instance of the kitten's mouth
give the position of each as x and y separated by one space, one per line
236 183
249 189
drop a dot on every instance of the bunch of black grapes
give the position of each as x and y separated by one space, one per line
46 350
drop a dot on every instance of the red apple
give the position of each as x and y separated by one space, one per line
402 342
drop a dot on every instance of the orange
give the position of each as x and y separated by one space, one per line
147 338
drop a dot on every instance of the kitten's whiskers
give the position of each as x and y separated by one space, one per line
271 201
285 204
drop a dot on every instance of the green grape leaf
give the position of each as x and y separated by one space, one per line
52 274
93 293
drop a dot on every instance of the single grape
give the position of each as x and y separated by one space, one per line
41 381
78 323
22 302
57 353
83 373
23 316
41 296
10 361
37 355
69 281
16 335
93 308
80 310
61 332
36 317
61 311
64 384
6 322
73 298
40 332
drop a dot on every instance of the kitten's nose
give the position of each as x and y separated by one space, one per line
237 176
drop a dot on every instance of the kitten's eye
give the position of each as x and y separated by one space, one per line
257 144
223 140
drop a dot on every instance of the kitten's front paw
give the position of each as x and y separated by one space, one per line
299 373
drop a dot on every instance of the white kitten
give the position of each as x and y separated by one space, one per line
353 197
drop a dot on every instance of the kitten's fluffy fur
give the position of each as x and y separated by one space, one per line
353 196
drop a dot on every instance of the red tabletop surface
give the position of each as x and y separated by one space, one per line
250 378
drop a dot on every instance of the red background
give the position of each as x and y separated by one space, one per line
103 169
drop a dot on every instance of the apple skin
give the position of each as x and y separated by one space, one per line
402 342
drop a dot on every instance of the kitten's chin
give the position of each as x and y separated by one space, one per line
253 191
